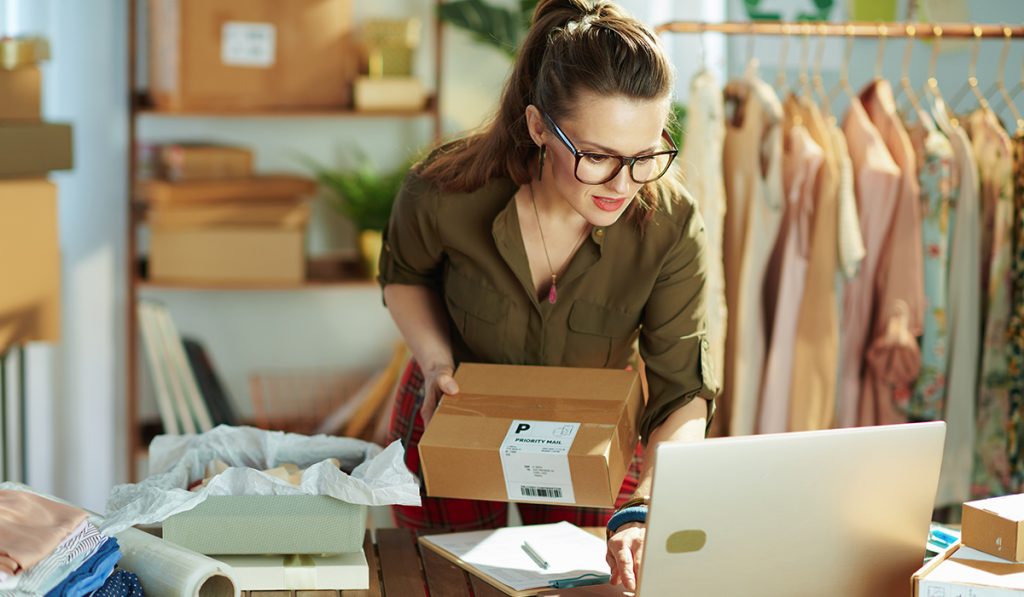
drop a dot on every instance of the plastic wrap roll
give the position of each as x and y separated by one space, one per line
168 570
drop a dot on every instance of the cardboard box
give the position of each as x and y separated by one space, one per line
227 255
30 262
269 524
996 526
390 94
18 52
21 90
964 572
245 189
286 213
345 572
251 54
30 150
533 434
184 162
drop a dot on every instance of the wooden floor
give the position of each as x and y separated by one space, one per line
400 568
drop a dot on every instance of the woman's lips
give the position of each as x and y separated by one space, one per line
608 203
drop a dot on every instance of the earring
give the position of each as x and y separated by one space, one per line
543 152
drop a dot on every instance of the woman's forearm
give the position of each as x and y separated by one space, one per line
420 317
684 425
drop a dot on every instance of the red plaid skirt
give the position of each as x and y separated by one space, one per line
464 515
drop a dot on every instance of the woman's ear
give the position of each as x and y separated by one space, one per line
535 124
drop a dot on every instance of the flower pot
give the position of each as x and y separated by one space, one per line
370 243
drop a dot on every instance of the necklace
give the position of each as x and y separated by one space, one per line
553 291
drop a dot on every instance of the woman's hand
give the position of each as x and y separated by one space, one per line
437 380
625 552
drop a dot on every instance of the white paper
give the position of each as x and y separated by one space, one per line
248 44
569 551
535 460
380 477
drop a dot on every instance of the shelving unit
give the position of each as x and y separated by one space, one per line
136 284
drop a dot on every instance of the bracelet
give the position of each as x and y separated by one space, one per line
625 516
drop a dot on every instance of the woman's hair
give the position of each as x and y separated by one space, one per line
573 46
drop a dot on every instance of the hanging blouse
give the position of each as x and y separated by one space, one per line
963 316
801 163
935 175
994 151
893 358
851 239
753 184
815 355
876 184
1015 366
702 168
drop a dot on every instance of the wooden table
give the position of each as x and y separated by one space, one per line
400 568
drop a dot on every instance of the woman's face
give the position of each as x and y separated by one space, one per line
603 125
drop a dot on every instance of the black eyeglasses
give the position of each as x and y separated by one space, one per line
599 168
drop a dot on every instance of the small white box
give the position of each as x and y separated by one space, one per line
966 572
345 572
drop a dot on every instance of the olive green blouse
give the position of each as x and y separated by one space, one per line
622 282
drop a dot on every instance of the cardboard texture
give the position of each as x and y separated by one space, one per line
227 255
18 52
30 150
181 163
460 449
283 213
269 524
389 93
996 526
20 90
962 571
30 262
252 54
247 189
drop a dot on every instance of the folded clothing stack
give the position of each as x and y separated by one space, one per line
49 548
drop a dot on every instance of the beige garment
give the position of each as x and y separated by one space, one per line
851 250
702 168
893 358
31 527
752 162
877 184
784 289
816 352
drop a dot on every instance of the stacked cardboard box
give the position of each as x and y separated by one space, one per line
215 222
990 561
390 84
29 149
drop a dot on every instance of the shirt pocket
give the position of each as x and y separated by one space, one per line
479 313
594 333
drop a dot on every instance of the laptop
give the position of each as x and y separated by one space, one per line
841 513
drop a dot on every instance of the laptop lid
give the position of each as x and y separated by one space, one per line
841 512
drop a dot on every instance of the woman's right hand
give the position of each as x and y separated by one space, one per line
437 380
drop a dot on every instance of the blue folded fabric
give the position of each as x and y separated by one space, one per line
121 584
91 574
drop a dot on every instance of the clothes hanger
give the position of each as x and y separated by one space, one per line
781 82
972 77
883 35
993 90
752 63
1001 85
819 86
703 48
805 80
906 88
1020 83
931 87
843 86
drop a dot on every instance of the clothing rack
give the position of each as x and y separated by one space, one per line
852 29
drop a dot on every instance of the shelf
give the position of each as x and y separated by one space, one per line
428 111
203 285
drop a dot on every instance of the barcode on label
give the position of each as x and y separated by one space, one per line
542 492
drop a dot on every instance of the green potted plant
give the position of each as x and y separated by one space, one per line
364 195
493 25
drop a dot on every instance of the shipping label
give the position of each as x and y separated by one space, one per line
535 459
252 45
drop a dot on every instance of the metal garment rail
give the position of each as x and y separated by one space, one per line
853 29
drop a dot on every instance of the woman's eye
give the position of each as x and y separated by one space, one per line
595 158
647 159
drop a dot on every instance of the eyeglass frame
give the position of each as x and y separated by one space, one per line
624 161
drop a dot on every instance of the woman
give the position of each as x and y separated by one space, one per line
556 236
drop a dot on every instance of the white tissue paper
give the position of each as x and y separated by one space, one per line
379 478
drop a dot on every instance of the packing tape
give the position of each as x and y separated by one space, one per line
300 573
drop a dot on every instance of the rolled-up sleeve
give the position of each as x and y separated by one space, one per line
673 340
412 251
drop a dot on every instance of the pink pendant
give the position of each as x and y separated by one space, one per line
552 294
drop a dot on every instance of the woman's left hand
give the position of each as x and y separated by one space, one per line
625 552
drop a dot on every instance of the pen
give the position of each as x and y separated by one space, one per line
534 555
